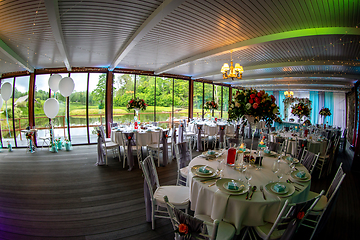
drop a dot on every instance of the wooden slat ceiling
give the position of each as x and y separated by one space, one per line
297 44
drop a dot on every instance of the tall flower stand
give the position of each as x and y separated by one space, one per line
251 121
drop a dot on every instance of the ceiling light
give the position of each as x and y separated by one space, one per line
232 72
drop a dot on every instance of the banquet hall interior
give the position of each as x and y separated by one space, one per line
93 90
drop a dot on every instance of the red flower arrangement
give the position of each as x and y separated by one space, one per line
254 103
212 105
136 103
300 109
325 112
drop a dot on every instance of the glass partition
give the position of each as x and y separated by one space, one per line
181 99
77 109
7 118
96 104
164 101
123 92
21 113
145 89
198 99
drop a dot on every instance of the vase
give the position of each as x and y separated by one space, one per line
136 117
251 121
67 146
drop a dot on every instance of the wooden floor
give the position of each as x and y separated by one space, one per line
66 196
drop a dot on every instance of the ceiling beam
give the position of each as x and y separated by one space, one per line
261 41
284 64
52 10
4 48
316 87
159 14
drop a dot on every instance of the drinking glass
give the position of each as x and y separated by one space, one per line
248 176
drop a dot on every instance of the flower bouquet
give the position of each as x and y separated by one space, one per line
136 104
325 112
256 104
212 105
301 110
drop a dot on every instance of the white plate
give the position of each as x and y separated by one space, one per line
222 183
294 159
307 176
238 183
196 172
281 193
289 187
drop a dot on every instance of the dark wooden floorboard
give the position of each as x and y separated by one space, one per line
66 196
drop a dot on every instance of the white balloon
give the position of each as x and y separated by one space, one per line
6 91
1 101
66 86
51 107
54 82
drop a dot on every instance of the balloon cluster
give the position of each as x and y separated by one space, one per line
65 85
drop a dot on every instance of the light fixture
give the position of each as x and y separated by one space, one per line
232 72
289 94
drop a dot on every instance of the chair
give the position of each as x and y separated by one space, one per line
290 218
101 128
158 146
329 156
210 132
154 193
309 160
200 229
343 140
323 208
45 139
276 147
183 157
109 145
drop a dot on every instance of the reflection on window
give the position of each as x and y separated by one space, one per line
198 99
164 91
77 109
181 99
7 129
145 89
123 91
225 103
97 90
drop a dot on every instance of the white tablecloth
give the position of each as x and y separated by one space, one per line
143 138
235 209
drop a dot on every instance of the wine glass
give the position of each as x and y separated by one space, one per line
275 167
248 176
221 168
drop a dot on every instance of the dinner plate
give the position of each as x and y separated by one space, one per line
290 189
294 159
281 193
223 182
241 187
195 171
307 176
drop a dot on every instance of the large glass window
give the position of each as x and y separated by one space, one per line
217 99
225 103
97 89
123 91
208 91
164 100
7 127
145 89
198 99
41 95
181 99
21 113
77 109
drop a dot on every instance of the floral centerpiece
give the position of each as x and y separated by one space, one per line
301 110
256 104
325 112
212 105
137 104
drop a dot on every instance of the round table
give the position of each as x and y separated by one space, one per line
235 209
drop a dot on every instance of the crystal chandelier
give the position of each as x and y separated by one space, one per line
289 94
232 72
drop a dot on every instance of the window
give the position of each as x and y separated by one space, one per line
7 117
145 89
164 101
181 99
225 103
123 92
198 99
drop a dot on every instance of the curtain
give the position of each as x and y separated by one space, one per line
314 115
281 104
329 103
339 111
270 92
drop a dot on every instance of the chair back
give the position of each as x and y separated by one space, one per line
309 160
292 216
150 174
198 227
275 147
102 133
335 184
183 154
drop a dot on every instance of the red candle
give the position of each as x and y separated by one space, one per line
231 156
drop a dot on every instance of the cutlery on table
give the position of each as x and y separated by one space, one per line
212 184
262 190
209 179
253 190
247 194
290 181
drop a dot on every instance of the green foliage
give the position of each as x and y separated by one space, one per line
98 95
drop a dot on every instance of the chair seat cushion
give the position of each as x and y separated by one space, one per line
263 231
111 145
184 171
321 204
225 230
178 195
